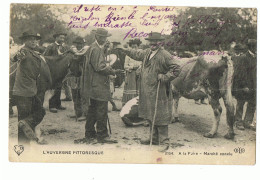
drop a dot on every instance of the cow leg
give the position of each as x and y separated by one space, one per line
175 115
214 102
230 117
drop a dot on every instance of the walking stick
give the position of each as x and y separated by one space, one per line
110 131
155 111
76 115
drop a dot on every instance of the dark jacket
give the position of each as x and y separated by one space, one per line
95 76
28 70
160 63
52 49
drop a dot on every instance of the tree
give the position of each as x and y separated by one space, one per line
201 29
38 18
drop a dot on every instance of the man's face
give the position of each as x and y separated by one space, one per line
60 39
101 39
79 46
31 42
252 47
134 46
154 44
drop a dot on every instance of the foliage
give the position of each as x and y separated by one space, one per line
37 18
202 29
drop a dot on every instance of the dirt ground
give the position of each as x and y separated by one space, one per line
58 128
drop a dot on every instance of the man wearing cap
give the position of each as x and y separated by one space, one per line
25 91
79 50
95 90
244 83
55 49
158 66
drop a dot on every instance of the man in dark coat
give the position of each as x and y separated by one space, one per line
244 84
29 105
157 66
95 90
79 50
55 49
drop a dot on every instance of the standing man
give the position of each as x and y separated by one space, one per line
244 83
158 66
55 49
79 50
29 105
96 90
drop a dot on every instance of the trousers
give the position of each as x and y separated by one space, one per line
29 109
160 133
54 101
77 102
97 114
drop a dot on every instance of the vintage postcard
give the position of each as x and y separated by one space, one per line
132 84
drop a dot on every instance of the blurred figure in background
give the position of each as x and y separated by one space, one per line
55 49
132 79
78 49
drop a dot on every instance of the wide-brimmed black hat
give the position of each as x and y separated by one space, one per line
115 42
30 34
240 47
102 32
59 33
251 42
155 36
79 40
134 41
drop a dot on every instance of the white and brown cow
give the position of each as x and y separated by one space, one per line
215 74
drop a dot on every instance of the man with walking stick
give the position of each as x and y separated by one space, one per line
95 91
155 97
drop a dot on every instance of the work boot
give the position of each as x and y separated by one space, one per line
248 125
85 141
197 102
53 110
82 118
147 142
72 116
203 102
66 99
107 140
146 124
61 108
27 130
163 147
114 108
240 125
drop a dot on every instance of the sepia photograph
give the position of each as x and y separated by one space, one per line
132 84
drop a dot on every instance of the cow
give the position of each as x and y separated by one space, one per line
215 74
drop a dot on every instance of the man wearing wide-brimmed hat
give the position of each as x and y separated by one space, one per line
29 105
132 80
78 49
158 69
244 84
95 90
55 49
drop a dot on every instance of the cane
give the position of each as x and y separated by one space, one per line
76 97
110 131
155 111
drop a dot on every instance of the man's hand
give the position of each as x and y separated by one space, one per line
119 71
21 55
161 77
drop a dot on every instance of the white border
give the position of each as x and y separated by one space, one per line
47 171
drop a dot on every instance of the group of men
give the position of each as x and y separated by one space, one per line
92 76
89 79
